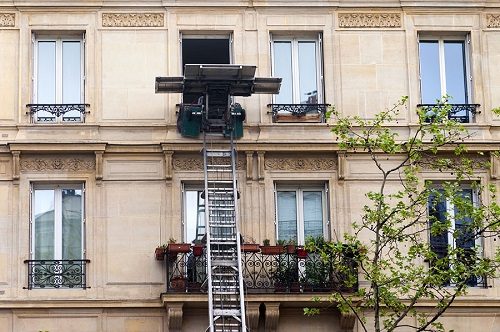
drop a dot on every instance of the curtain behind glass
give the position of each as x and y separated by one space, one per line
313 214
283 69
430 72
44 224
71 224
287 215
308 86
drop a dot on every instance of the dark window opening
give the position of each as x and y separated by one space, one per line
203 51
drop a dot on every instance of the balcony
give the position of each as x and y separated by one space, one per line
463 113
54 113
298 112
284 272
57 273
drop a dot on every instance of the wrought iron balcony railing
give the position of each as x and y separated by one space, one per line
51 113
57 273
298 112
463 113
263 273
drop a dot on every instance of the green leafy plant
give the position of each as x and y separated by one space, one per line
389 241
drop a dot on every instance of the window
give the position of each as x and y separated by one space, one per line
193 214
300 212
444 71
460 234
57 236
298 62
58 78
203 50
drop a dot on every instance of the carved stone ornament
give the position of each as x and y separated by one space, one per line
300 164
448 162
57 164
133 20
493 20
196 163
369 20
7 19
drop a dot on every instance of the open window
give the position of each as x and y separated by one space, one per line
203 50
58 78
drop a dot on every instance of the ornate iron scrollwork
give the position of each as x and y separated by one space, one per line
463 113
264 273
57 273
58 110
299 110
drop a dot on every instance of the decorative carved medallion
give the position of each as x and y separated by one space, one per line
493 20
196 163
300 164
7 19
55 164
132 20
369 20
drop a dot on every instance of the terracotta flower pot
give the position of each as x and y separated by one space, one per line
272 250
250 247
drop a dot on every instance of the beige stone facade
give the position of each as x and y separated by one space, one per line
133 163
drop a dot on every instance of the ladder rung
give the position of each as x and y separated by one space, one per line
218 153
227 312
217 263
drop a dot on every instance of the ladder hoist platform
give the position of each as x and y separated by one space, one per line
220 122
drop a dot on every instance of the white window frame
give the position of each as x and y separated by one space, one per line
299 190
57 217
184 189
58 39
441 39
450 210
295 39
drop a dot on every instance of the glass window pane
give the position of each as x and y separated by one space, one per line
44 219
46 75
465 234
429 72
71 210
307 73
71 72
456 80
283 69
287 215
194 215
437 210
313 214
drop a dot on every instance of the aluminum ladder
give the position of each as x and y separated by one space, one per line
226 299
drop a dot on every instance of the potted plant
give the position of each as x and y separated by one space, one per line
290 246
174 248
286 276
178 283
198 247
249 245
267 249
301 252
160 252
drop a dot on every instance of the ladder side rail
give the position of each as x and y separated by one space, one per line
208 245
238 236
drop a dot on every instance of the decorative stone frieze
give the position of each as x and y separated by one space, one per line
121 20
449 162
57 164
300 164
369 20
7 19
493 20
196 163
